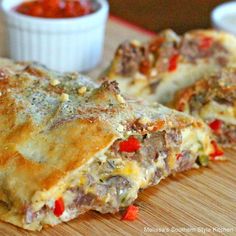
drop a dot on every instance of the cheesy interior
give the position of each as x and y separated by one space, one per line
139 176
221 111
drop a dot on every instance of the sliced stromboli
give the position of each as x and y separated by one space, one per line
155 70
213 99
68 147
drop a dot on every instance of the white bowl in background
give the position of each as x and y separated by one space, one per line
71 44
223 17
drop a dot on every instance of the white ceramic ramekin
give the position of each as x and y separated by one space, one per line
223 17
72 44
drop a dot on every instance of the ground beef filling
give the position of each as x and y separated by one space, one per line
131 58
191 50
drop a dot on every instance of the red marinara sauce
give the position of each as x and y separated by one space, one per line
55 8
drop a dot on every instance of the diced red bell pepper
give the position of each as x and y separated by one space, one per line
216 152
179 156
215 125
131 213
181 106
173 62
206 43
145 67
156 44
158 125
59 207
130 145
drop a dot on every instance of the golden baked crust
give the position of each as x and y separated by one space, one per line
39 141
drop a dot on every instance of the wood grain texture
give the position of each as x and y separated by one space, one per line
198 198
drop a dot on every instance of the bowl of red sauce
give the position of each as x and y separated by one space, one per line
64 35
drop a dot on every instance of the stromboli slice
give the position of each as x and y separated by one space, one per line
213 99
64 153
155 70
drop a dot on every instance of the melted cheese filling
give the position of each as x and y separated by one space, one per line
139 176
214 110
137 87
196 141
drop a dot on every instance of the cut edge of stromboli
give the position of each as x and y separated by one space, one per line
220 111
53 193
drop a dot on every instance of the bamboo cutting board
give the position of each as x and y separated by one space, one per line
186 204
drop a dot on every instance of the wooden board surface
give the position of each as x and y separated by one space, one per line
185 204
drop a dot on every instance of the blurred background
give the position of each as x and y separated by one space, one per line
155 15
